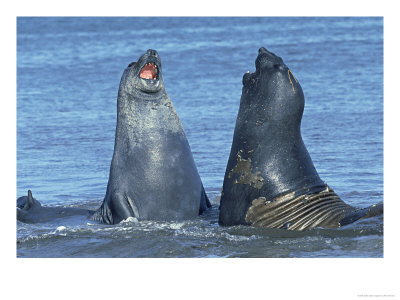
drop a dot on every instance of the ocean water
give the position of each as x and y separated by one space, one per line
68 72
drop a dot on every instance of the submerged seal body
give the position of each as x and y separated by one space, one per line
152 175
29 210
270 179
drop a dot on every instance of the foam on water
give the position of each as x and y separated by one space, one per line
195 238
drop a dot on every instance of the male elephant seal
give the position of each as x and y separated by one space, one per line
270 179
153 175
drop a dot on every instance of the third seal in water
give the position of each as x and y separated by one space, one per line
270 179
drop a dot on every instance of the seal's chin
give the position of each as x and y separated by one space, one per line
149 71
246 77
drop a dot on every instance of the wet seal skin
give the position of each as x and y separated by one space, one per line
243 168
29 210
270 179
152 175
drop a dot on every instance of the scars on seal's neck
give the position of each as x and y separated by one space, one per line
270 114
268 157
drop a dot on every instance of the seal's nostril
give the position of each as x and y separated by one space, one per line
152 52
261 50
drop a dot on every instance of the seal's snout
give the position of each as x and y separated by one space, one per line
268 59
152 52
263 50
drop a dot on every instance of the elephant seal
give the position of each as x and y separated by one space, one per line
29 210
152 175
270 179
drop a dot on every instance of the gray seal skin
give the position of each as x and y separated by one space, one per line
29 210
270 179
152 175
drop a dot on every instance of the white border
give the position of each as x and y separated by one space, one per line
199 278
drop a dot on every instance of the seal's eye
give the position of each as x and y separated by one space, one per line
131 64
149 71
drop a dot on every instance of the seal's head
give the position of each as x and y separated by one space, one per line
143 76
273 88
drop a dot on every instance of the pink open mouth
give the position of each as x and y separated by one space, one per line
149 71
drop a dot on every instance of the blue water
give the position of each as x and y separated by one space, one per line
68 72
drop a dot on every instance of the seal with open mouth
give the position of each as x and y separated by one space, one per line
152 175
270 179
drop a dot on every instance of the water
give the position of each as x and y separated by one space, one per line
68 72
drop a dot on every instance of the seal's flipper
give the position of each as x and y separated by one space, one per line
27 202
204 202
123 207
31 202
374 210
103 214
299 212
364 213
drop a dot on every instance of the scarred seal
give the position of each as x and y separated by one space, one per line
270 179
